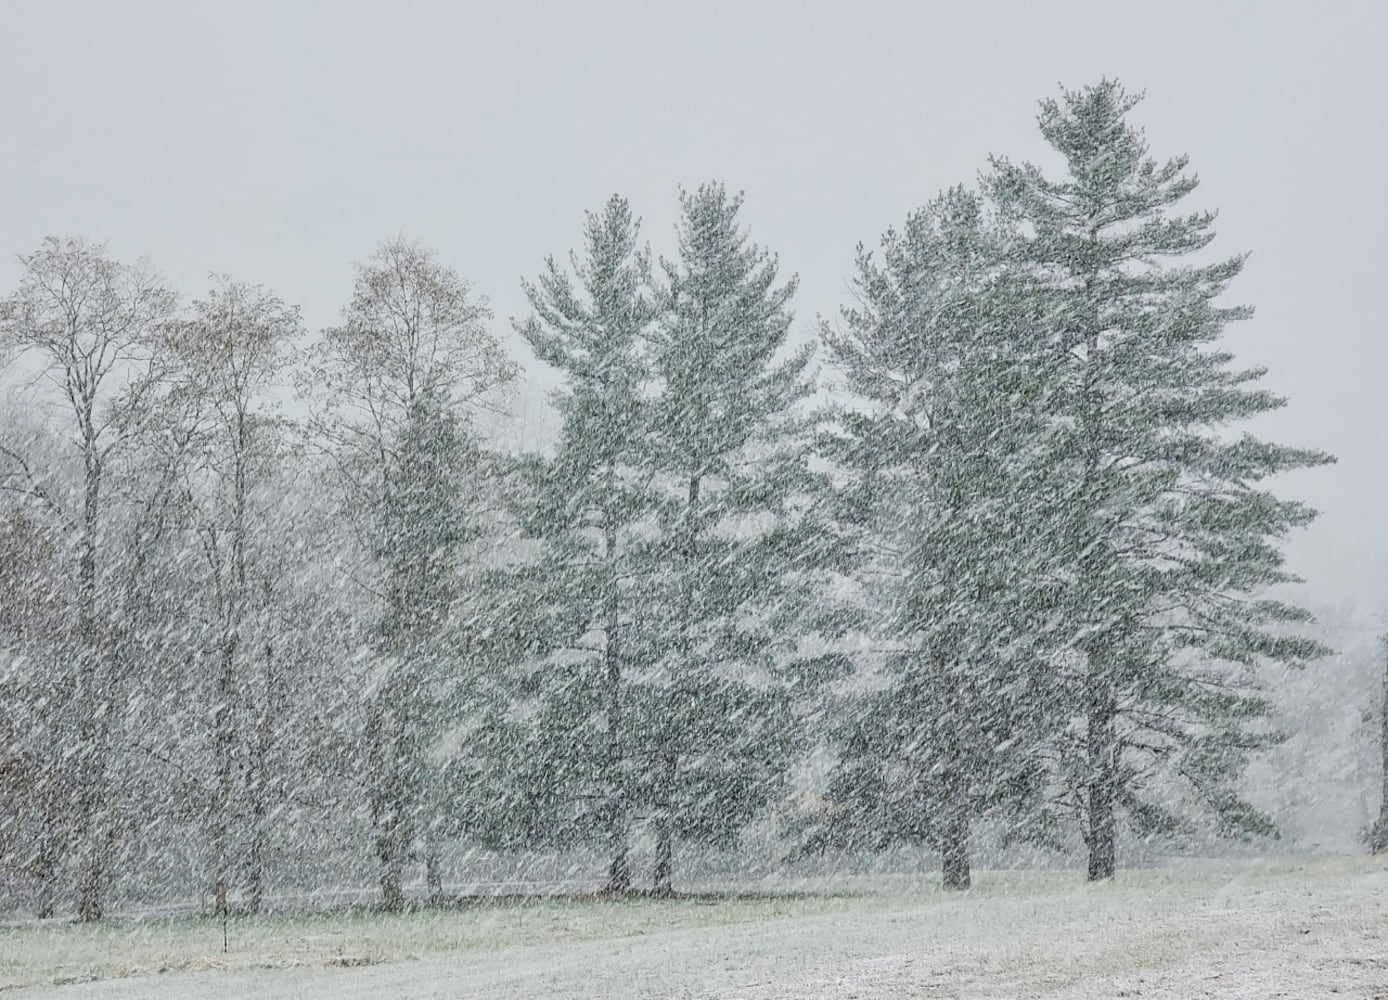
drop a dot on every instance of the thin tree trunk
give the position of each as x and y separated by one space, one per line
260 849
619 871
90 773
86 562
96 829
260 784
224 722
390 850
223 736
46 867
392 879
1378 843
664 826
433 872
89 879
55 801
663 876
954 839
263 785
663 881
1101 698
388 804
1102 749
95 866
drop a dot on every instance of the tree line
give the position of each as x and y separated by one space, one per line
1008 561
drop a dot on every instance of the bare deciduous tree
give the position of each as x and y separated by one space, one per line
413 346
90 323
234 347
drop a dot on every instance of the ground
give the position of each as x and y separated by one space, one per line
1297 931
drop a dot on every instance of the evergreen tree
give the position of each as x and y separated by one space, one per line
736 538
1171 542
944 479
585 508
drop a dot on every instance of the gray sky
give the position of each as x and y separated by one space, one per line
279 142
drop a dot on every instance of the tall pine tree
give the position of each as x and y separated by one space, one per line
585 508
1172 536
735 541
940 453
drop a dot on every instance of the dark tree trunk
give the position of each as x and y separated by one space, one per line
259 855
954 839
433 873
46 870
1378 841
261 784
619 871
260 849
955 856
390 849
1102 747
669 764
96 829
93 706
224 719
223 734
95 866
392 878
89 896
394 789
663 876
387 804
432 837
1101 774
86 560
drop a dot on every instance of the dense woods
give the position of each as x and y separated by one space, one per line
993 543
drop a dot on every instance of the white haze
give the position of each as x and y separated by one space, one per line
281 142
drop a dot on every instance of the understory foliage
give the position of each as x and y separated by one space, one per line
273 614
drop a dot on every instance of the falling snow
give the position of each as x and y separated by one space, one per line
789 635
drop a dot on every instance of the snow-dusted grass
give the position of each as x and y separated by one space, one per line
1319 929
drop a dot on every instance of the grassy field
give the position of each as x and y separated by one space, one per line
1313 930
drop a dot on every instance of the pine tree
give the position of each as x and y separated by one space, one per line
735 539
1172 538
585 506
947 364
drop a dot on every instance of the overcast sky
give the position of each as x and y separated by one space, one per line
280 142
